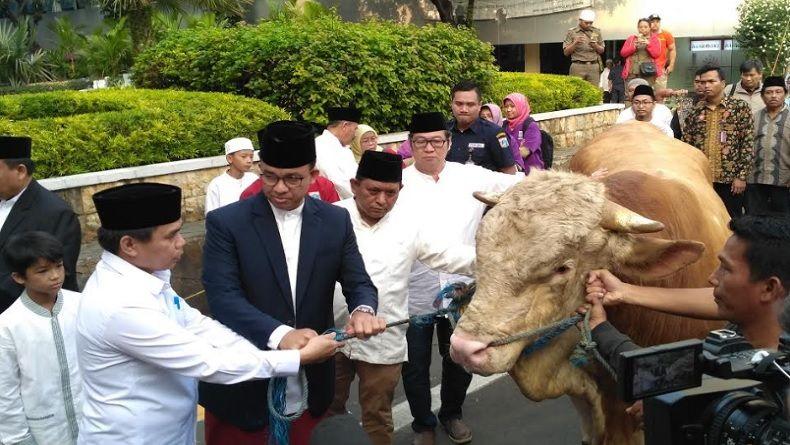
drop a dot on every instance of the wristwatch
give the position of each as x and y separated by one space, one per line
365 309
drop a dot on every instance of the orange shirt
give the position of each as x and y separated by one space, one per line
666 40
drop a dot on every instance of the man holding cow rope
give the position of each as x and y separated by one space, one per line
749 288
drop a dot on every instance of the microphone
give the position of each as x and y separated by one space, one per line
340 429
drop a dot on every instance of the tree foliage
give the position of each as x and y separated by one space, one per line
763 31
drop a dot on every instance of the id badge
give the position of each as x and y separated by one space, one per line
472 146
723 137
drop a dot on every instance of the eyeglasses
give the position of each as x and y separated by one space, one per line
422 142
642 103
290 181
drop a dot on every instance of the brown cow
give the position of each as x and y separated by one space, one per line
535 246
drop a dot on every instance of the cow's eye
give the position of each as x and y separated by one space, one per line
562 269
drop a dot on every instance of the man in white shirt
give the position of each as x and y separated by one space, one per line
643 104
141 347
227 187
661 112
438 195
390 241
334 159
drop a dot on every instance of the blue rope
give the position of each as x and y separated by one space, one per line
278 429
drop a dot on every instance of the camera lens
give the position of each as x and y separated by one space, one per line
745 418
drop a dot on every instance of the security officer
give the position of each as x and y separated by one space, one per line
474 140
583 44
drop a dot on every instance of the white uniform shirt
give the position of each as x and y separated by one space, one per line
7 205
40 383
389 249
661 115
335 162
658 123
447 206
225 189
141 351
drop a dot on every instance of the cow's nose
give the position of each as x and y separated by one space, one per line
468 353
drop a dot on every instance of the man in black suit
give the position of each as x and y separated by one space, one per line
24 206
270 264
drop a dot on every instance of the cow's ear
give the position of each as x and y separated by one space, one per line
655 258
491 199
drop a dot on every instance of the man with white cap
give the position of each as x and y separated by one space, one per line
227 187
141 347
584 44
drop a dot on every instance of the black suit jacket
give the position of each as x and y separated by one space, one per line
246 280
40 209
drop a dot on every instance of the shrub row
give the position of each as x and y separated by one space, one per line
388 70
546 92
78 132
74 84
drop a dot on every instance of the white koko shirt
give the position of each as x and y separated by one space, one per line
141 351
225 189
389 249
40 383
335 162
447 206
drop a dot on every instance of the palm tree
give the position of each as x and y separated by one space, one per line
139 13
21 60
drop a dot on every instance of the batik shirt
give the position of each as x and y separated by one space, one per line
772 148
726 135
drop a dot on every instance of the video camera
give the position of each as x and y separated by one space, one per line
741 399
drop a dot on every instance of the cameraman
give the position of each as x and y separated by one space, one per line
749 287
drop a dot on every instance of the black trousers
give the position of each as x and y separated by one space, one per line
417 376
734 203
617 96
764 198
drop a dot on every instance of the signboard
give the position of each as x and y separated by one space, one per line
730 45
527 8
705 45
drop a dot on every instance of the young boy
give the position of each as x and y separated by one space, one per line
40 384
227 187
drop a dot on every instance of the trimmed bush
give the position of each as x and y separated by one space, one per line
546 92
79 132
390 71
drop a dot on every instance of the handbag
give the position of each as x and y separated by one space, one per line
648 69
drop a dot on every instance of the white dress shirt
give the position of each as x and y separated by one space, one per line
7 205
389 248
335 162
40 383
661 115
289 224
225 189
141 351
447 206
656 122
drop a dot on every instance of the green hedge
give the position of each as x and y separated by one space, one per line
78 132
389 70
546 92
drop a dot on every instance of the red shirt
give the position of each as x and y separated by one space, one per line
321 188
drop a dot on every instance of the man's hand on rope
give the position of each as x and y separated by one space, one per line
608 288
364 324
318 349
636 411
297 339
597 312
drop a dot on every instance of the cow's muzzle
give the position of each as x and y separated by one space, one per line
471 354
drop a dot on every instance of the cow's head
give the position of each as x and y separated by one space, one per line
534 249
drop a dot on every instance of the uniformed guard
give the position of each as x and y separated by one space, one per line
584 44
475 140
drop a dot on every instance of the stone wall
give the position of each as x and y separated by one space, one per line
569 128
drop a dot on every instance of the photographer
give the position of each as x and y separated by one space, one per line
749 287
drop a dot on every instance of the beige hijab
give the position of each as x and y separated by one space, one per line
356 144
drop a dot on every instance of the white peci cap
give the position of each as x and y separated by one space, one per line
238 144
587 15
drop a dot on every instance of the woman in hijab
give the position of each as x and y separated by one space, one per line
366 138
491 113
523 132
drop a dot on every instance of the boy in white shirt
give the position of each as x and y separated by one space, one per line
40 383
227 187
